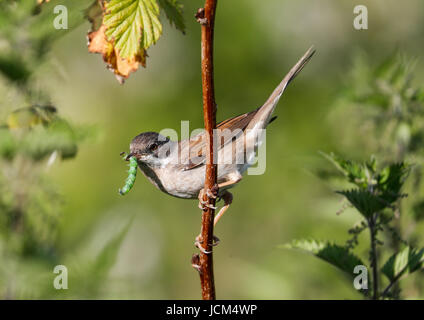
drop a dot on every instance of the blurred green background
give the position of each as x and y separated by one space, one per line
255 45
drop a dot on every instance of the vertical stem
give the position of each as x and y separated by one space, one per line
206 17
374 265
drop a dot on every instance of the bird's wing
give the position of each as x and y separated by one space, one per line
228 130
196 146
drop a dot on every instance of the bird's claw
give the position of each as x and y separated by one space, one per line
211 194
216 241
198 243
205 204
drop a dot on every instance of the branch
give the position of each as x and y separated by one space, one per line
204 262
391 284
374 265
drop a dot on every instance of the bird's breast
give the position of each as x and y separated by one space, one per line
182 184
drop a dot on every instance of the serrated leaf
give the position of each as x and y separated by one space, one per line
127 29
107 257
97 43
37 132
174 13
407 260
32 116
377 189
94 14
364 201
336 255
132 25
88 276
355 172
418 210
391 180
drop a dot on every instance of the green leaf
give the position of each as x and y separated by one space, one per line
41 142
13 68
88 277
8 145
364 201
377 189
132 25
417 209
356 173
174 13
405 261
107 257
37 132
391 180
336 255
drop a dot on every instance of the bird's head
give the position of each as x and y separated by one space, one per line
150 148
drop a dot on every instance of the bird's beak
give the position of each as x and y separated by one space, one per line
127 158
138 156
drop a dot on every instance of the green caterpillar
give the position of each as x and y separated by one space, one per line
132 173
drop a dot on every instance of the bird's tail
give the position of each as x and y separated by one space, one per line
262 117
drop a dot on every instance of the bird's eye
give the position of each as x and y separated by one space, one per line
153 147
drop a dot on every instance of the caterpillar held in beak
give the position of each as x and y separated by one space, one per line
132 174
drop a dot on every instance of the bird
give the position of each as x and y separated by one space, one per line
178 167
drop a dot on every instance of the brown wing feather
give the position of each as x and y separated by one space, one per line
197 144
237 122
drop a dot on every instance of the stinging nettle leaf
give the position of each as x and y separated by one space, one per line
408 260
364 201
174 13
355 172
334 254
391 180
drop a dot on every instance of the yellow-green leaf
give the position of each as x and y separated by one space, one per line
405 261
132 25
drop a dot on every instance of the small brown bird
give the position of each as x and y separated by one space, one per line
178 167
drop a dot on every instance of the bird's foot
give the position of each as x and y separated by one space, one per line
204 205
211 194
199 241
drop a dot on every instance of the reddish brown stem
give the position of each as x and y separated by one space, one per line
206 17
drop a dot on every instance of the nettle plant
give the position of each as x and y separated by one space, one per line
376 196
383 103
33 136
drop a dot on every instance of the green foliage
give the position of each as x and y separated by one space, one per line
364 201
40 141
174 13
21 55
32 131
125 19
88 275
389 108
377 190
418 210
388 86
356 173
334 254
122 31
405 261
